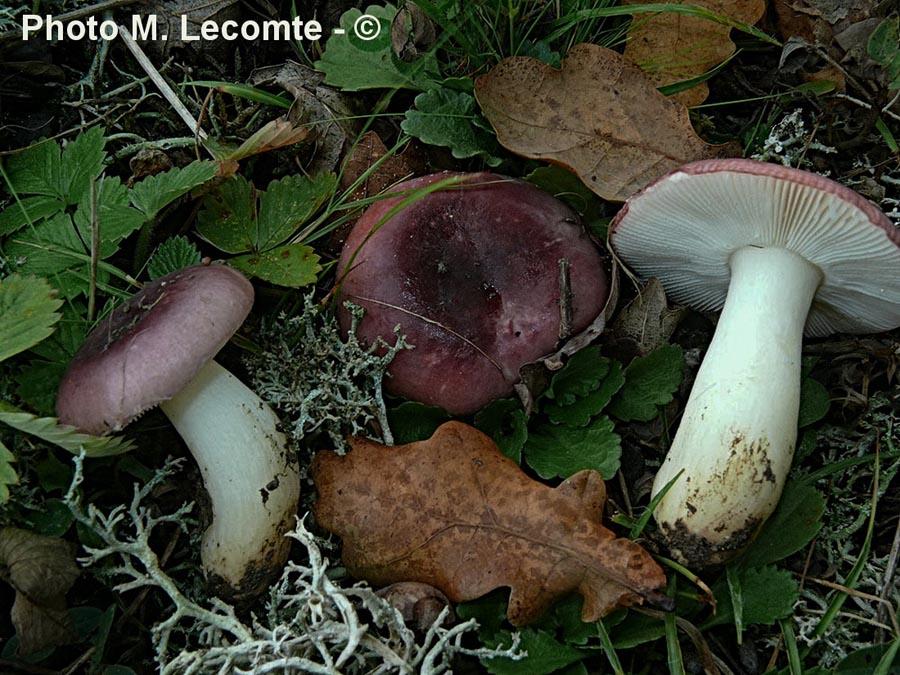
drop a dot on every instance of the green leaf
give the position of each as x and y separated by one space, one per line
38 383
567 187
411 421
154 193
863 661
228 218
28 211
116 218
560 450
884 42
650 381
27 313
545 655
541 51
352 64
814 401
173 254
53 520
575 408
797 519
767 593
7 473
446 118
580 376
291 265
81 164
36 170
505 422
62 243
66 437
289 203
489 611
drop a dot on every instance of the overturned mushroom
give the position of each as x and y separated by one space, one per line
157 349
779 251
472 275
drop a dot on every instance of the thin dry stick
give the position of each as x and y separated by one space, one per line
865 596
95 251
161 84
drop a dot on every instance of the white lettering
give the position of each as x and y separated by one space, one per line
76 30
185 33
312 30
57 25
276 30
31 23
108 29
144 28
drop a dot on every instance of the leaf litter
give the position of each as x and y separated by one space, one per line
456 513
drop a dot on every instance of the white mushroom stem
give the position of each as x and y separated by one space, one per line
737 435
252 482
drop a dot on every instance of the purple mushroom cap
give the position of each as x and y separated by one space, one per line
151 346
470 273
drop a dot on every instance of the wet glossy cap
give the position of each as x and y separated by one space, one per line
471 275
684 227
151 346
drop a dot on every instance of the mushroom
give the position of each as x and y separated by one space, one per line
471 275
786 252
157 349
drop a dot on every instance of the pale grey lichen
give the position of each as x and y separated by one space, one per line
317 381
789 141
311 625
846 519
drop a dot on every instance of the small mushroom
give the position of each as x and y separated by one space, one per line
471 274
157 349
780 251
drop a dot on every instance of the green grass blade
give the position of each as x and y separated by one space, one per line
795 665
673 648
242 91
609 650
562 26
886 663
641 522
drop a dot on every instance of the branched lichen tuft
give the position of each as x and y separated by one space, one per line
318 382
311 623
845 523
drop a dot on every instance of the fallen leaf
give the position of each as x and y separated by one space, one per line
599 116
277 133
455 513
334 116
674 47
41 570
647 320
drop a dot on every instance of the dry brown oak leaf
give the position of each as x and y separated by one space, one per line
674 47
598 116
456 513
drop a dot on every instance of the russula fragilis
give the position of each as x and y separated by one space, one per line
471 274
781 252
157 349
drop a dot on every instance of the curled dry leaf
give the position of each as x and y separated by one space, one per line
419 604
647 321
598 116
41 570
674 47
455 513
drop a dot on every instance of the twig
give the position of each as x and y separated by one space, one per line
161 84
